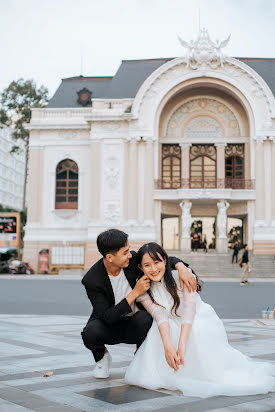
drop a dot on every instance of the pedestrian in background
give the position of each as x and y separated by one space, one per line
246 266
236 249
205 244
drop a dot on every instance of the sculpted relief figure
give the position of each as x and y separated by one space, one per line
186 219
203 51
222 218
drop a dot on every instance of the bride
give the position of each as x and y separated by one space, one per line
186 348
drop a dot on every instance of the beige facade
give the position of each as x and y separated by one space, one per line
208 115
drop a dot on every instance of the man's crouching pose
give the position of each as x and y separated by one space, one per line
112 287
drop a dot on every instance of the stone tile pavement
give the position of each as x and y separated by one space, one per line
32 345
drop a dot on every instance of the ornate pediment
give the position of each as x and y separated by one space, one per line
203 51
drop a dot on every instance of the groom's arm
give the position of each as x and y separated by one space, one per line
185 277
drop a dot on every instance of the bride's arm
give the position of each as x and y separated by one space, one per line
159 314
188 314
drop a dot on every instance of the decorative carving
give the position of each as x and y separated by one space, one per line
222 218
111 212
234 150
203 194
186 219
202 124
67 134
202 150
112 171
203 51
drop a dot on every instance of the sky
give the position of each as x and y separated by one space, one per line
47 40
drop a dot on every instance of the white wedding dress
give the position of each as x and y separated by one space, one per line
212 366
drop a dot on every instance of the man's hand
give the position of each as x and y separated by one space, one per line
186 278
142 285
171 356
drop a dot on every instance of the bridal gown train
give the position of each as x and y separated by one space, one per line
212 366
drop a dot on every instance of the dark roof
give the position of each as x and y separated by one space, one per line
264 67
130 76
66 94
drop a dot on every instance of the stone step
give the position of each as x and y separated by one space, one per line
219 265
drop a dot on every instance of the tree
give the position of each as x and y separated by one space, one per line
16 101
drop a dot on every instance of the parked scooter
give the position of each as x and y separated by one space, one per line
4 266
21 268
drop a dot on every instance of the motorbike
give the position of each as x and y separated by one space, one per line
21 268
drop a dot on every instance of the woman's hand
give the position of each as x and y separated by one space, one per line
181 353
171 356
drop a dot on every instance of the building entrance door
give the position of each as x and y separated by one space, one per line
170 232
205 227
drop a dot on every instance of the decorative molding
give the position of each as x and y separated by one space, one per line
203 117
65 213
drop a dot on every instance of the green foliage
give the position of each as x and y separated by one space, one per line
16 101
16 104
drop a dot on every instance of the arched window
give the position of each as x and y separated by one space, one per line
171 166
66 194
202 166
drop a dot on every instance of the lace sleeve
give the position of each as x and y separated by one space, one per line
157 312
188 310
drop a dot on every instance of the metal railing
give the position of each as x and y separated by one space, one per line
198 183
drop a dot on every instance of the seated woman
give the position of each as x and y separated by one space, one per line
186 348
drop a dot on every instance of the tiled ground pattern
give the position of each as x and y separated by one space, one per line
32 345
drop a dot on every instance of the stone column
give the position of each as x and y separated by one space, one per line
267 181
260 188
273 182
185 163
131 188
220 164
250 222
141 180
186 221
221 231
149 183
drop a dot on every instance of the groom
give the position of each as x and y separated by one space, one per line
112 287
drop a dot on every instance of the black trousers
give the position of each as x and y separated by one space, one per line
235 255
130 329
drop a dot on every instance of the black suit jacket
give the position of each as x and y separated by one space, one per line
100 291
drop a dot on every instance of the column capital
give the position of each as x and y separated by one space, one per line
220 144
259 139
185 145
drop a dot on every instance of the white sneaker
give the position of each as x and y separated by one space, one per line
102 367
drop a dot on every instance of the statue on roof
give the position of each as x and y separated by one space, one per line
203 51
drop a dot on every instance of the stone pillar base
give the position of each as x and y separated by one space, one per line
185 244
221 245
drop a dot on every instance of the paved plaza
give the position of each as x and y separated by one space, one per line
32 345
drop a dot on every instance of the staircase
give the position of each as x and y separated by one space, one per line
213 264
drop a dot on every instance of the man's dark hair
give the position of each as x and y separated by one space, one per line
111 241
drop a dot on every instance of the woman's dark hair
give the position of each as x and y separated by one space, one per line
111 241
155 251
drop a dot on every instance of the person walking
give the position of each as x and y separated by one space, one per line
196 242
236 249
205 244
246 266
